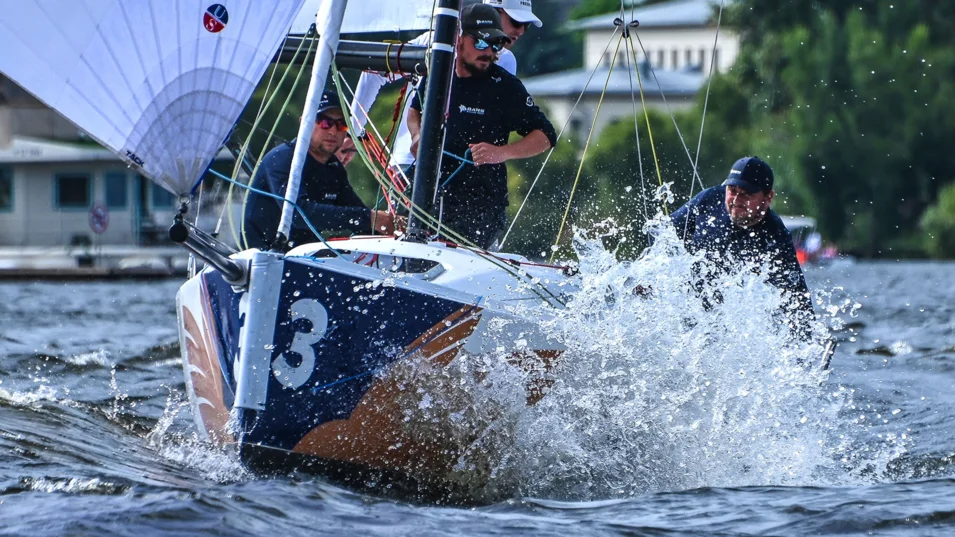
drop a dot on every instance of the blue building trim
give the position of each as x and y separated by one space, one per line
114 178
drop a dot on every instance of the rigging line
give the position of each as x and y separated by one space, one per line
241 157
679 133
583 157
301 212
706 100
427 219
646 115
561 133
268 139
636 128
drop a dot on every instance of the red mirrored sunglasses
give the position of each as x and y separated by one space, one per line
328 123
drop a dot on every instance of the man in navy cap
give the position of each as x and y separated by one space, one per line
733 224
325 195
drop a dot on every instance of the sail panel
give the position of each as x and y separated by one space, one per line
372 16
159 82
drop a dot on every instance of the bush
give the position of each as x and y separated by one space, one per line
938 222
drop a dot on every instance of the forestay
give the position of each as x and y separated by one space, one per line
159 82
370 16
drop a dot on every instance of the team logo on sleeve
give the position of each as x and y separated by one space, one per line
530 101
215 18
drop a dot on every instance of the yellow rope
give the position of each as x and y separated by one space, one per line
646 114
583 157
268 138
426 218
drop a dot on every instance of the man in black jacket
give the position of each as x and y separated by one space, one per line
487 105
325 195
734 224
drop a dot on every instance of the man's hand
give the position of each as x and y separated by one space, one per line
386 223
485 153
346 152
414 146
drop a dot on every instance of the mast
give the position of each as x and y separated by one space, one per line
434 111
328 25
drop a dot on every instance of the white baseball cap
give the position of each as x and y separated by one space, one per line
519 10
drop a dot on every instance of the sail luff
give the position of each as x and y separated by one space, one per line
328 24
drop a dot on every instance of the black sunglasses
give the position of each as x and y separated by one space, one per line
481 44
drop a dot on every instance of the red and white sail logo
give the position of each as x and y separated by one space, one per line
215 18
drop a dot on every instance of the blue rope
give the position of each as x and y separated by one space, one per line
464 162
280 198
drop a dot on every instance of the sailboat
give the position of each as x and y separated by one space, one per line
296 358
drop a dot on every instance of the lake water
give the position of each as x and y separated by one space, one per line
96 437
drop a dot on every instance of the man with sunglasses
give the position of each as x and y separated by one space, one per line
516 16
325 195
487 105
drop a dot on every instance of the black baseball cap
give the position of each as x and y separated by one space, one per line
329 102
483 22
752 174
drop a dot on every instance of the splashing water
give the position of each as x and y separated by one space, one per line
655 393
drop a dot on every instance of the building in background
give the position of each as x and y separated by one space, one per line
68 205
678 37
49 189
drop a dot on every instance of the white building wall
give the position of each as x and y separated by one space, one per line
664 45
36 220
613 109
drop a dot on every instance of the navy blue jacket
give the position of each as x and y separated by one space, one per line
325 196
708 228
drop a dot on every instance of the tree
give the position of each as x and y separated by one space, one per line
938 222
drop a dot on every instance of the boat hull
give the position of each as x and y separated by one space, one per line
349 352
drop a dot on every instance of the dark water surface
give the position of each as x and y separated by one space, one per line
96 437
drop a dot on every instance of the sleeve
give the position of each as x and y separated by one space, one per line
508 61
327 217
684 219
786 274
365 94
528 116
348 212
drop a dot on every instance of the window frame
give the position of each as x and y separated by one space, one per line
152 197
6 173
57 177
113 175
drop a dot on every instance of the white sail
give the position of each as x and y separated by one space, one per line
160 82
370 16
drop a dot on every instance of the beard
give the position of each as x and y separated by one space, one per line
747 218
476 70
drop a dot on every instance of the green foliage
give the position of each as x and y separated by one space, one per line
851 91
938 222
591 8
551 47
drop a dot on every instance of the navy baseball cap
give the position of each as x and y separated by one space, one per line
483 22
752 174
329 102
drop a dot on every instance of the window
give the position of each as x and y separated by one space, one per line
116 190
716 60
73 191
6 189
703 59
661 56
688 57
675 57
162 198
